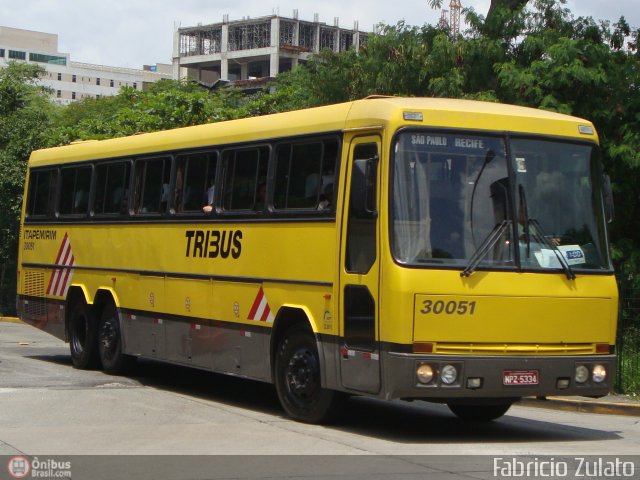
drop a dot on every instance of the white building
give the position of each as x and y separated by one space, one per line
70 81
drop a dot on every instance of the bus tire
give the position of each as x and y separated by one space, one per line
297 379
83 331
479 413
113 360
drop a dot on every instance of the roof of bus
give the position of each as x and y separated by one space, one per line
373 112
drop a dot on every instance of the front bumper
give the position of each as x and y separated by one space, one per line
556 376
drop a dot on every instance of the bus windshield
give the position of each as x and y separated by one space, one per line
459 199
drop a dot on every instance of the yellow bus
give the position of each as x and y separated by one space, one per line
446 250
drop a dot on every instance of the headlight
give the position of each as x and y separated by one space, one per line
582 374
424 373
448 374
599 373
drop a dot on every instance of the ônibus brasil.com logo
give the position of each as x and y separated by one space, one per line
19 467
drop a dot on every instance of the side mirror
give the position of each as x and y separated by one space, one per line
363 188
607 197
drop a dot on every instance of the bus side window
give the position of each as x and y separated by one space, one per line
152 185
112 183
305 175
245 179
298 175
42 192
195 181
74 191
326 195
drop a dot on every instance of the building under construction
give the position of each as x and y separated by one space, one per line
255 48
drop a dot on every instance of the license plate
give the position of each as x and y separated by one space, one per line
528 377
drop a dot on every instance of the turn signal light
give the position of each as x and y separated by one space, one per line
423 347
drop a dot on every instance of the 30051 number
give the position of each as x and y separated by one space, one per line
452 307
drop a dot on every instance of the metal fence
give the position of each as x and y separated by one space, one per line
628 343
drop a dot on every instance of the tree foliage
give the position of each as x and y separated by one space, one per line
25 115
165 105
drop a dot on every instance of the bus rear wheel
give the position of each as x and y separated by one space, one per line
297 379
113 360
479 413
83 343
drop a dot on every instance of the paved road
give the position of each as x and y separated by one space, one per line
47 407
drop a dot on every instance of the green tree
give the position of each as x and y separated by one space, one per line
502 18
165 105
25 116
398 60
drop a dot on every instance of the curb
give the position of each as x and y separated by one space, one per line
10 320
582 406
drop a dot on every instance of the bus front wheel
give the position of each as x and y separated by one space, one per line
297 379
83 343
479 413
113 360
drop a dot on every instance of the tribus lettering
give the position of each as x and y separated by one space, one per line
213 243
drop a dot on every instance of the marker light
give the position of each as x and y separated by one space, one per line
599 373
424 373
448 374
582 374
412 116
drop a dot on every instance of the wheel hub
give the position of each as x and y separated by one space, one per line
302 373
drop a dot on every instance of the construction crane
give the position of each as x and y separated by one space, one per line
454 18
444 19
453 14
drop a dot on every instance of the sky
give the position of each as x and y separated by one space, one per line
132 33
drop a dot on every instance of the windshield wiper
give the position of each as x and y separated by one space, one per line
523 218
540 235
486 246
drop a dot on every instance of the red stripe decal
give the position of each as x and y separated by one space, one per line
265 313
61 277
256 304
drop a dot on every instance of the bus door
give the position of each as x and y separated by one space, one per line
359 348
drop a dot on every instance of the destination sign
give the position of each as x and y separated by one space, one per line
451 143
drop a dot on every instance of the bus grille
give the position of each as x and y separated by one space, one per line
34 284
34 287
514 349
